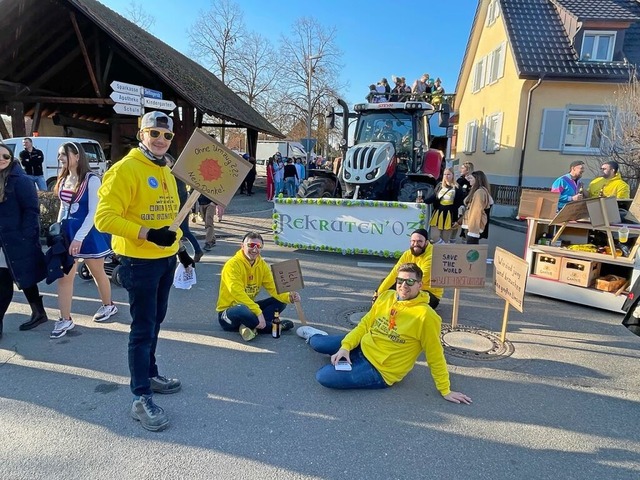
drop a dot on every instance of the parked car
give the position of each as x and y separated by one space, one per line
50 146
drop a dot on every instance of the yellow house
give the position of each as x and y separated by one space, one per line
536 84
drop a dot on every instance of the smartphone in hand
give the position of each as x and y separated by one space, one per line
343 366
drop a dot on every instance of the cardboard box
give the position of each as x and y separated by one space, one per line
597 208
547 266
610 283
579 272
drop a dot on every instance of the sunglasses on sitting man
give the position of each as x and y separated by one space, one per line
409 281
254 245
156 133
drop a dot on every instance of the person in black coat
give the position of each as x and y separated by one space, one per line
21 258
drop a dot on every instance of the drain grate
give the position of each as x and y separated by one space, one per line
474 343
462 341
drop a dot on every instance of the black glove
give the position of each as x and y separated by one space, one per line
185 259
161 236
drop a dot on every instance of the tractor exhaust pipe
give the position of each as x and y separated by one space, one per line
345 126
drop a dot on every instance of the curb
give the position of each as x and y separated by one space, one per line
510 224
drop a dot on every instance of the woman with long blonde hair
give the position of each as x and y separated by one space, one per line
445 208
77 189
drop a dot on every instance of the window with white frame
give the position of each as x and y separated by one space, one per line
470 134
597 46
495 64
492 132
493 12
573 130
479 75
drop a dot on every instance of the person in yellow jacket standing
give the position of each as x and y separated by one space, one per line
384 346
610 184
242 278
420 252
138 201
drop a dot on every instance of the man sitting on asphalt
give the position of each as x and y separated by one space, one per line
610 184
420 252
243 275
385 345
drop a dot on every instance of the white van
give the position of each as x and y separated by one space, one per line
268 148
50 146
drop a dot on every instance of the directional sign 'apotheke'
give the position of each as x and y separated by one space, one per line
124 109
125 98
160 104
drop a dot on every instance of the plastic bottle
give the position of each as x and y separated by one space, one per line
275 325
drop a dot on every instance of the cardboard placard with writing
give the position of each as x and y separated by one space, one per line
571 211
459 266
211 168
510 277
287 276
538 204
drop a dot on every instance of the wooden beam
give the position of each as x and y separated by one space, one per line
36 62
35 124
85 54
3 129
73 100
66 121
17 119
60 65
228 125
107 67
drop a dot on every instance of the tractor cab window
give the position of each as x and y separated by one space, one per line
385 127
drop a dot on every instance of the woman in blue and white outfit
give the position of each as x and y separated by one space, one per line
77 189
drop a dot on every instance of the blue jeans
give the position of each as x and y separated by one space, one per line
231 318
363 375
188 234
290 186
39 181
148 282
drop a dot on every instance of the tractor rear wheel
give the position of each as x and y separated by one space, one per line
317 187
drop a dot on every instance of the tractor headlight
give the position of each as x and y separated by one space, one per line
343 142
371 175
347 175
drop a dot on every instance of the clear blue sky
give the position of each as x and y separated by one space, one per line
377 38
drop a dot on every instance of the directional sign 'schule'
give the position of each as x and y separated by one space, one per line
159 104
124 109
125 98
129 88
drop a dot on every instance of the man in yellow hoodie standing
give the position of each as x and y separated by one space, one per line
610 184
385 345
138 201
242 278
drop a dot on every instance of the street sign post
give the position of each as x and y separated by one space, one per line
124 109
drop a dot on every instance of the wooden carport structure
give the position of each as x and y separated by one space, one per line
59 58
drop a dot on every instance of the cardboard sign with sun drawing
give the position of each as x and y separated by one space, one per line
211 168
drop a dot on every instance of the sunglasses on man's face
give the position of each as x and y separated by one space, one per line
409 281
156 133
254 245
5 156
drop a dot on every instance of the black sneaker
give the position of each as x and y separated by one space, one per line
150 415
165 385
286 325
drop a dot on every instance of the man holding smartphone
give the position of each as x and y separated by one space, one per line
384 346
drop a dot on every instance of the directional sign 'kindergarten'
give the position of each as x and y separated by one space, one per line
159 104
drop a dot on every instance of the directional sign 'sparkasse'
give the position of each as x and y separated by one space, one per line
129 88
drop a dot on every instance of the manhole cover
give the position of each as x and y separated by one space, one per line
470 342
354 315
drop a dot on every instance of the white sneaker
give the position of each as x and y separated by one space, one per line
307 332
105 312
61 327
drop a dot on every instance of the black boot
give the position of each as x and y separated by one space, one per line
38 315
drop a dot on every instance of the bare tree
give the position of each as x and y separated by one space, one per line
312 58
138 15
255 69
620 135
216 36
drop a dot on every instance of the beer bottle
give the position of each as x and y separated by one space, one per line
275 325
581 190
419 198
601 194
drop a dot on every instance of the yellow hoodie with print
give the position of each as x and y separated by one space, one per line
241 282
136 193
394 349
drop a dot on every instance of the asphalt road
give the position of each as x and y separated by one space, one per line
565 404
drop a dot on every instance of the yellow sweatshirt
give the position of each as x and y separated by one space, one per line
240 283
424 262
612 187
137 193
393 352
